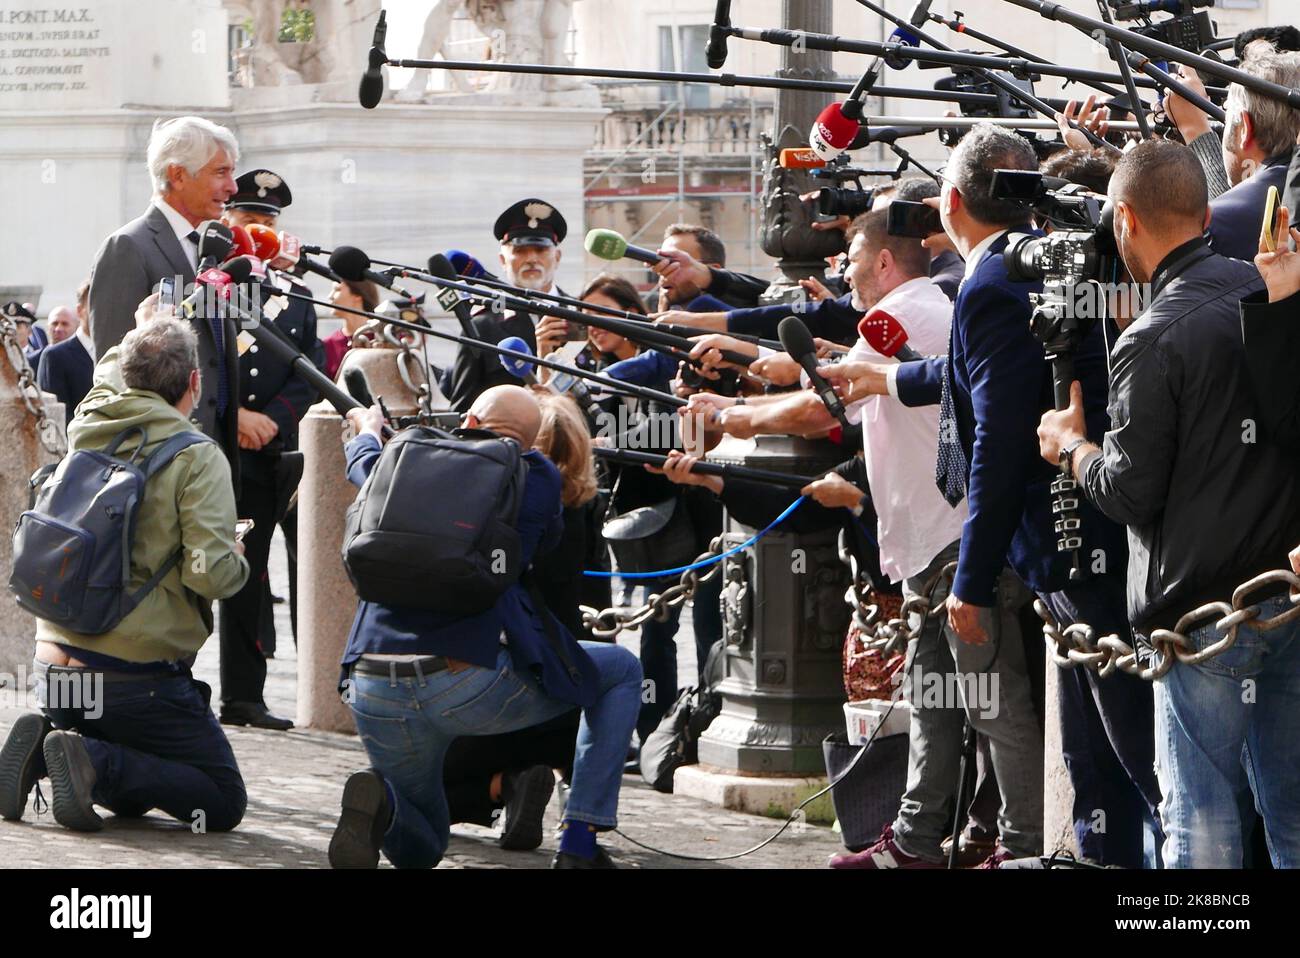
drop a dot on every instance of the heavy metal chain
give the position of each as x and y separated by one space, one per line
608 623
47 430
1078 645
888 635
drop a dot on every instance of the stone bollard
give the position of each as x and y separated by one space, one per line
327 602
24 454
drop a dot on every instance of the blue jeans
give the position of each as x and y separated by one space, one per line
1230 722
155 745
407 725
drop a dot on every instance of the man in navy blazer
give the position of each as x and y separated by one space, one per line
1259 134
999 383
68 367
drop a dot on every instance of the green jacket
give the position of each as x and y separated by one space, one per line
189 505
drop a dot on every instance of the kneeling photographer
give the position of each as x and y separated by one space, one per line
428 663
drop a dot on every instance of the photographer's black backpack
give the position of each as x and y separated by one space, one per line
433 527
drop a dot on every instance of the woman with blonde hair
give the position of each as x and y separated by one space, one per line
565 439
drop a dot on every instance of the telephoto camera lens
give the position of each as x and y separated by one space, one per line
842 201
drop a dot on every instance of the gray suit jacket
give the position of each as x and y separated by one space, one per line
127 268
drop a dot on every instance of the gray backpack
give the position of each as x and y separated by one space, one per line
72 549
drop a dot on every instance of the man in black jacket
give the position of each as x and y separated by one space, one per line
1209 504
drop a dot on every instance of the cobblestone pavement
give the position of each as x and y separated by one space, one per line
295 779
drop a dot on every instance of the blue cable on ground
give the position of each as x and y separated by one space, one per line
703 562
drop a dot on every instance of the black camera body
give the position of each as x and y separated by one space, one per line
1078 254
1186 29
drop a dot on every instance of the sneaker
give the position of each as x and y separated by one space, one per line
72 779
565 860
996 859
21 763
885 853
526 794
363 821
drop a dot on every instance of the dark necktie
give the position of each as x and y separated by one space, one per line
218 335
951 465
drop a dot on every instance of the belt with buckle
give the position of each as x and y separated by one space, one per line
408 669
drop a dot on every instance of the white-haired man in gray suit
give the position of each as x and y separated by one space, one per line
192 165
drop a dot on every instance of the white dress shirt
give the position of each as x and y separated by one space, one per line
901 442
87 343
182 228
972 263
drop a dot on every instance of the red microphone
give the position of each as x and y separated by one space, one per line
832 132
266 243
289 254
886 335
243 242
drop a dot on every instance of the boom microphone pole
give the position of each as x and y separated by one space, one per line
638 331
958 25
657 76
641 392
1117 53
1157 49
632 457
1001 82
1013 65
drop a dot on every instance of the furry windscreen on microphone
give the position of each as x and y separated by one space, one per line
1283 39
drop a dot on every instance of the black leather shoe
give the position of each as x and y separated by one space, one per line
366 814
565 860
254 714
72 779
526 795
21 763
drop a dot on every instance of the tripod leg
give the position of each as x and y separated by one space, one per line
965 787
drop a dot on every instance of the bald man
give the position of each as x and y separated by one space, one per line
1210 501
418 679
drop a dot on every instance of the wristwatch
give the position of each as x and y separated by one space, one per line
740 401
1067 453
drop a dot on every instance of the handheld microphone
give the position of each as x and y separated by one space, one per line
715 54
371 90
266 243
353 265
519 368
243 242
608 244
466 265
798 342
800 158
901 35
216 243
207 282
886 335
832 132
358 386
449 299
